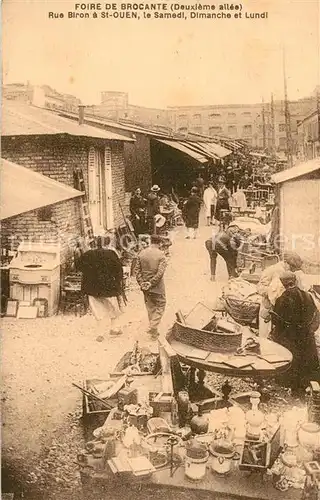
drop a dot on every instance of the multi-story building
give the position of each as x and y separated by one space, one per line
234 121
252 122
257 124
309 136
18 92
42 96
115 105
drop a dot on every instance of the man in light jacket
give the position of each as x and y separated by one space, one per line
150 269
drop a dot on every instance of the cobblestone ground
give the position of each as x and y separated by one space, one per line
41 358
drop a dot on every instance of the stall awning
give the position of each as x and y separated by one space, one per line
217 150
201 147
181 146
23 190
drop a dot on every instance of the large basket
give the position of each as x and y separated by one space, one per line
244 312
203 339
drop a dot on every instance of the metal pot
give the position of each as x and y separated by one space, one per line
223 453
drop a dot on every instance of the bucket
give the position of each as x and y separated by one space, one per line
195 468
223 454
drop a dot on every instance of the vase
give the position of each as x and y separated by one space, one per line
309 438
254 417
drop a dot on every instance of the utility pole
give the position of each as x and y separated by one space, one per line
287 115
263 125
318 113
273 134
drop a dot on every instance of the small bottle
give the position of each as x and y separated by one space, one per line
174 413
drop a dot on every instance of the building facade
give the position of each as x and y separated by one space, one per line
30 142
300 187
42 96
257 124
309 136
260 125
116 106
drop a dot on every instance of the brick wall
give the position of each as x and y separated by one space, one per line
64 228
57 157
138 164
118 182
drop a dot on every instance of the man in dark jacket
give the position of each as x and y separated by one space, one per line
295 318
223 198
137 211
191 211
150 269
153 208
225 243
102 281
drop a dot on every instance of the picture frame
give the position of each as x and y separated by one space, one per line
42 305
27 312
12 308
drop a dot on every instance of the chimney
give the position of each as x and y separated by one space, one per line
81 114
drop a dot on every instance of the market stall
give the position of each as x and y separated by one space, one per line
166 432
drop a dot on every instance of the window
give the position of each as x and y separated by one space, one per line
196 118
232 130
214 115
100 188
247 129
182 117
282 142
45 214
197 130
182 130
246 113
232 115
282 127
215 130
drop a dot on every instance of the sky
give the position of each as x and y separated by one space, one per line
168 62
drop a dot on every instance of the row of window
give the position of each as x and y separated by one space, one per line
197 116
232 130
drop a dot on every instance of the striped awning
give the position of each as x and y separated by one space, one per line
183 147
200 151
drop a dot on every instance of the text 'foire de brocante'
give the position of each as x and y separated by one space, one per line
153 6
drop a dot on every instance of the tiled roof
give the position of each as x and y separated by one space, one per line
23 119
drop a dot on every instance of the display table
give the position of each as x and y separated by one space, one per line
256 365
236 485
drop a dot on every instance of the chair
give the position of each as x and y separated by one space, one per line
255 262
72 297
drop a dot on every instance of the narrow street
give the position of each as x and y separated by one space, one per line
43 357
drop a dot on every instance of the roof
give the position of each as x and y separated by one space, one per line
258 155
307 117
120 125
24 119
23 190
298 171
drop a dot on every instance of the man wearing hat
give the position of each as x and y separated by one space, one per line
150 268
223 197
153 207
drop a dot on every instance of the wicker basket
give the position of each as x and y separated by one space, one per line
209 341
244 312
